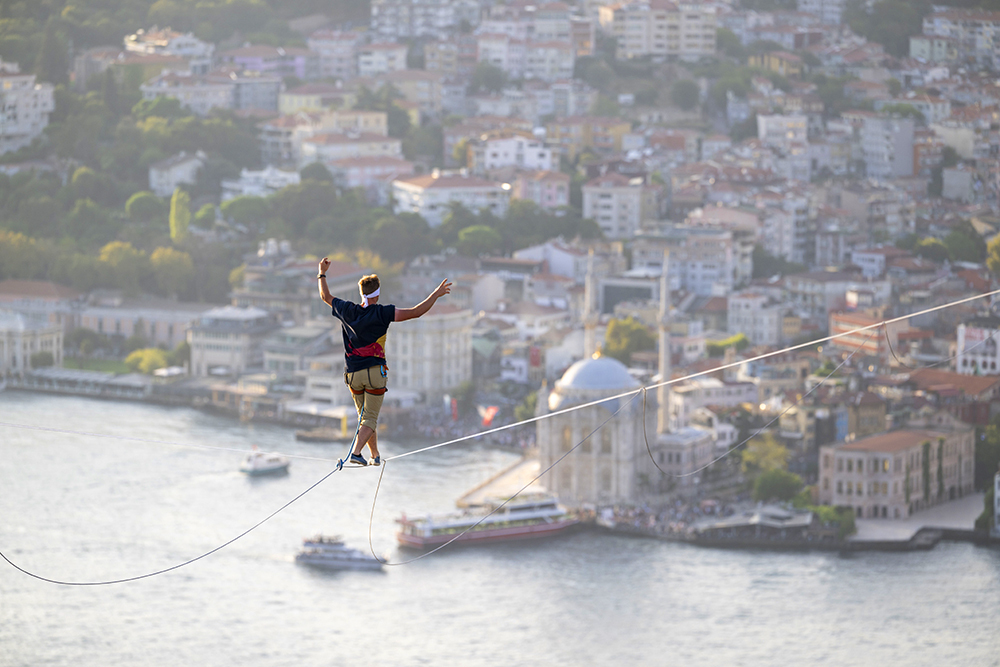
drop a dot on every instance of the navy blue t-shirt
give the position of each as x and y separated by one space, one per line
364 332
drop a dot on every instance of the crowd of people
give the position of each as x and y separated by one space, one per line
673 519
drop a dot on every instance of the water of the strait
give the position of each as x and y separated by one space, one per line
78 507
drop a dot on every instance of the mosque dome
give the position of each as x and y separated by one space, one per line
590 379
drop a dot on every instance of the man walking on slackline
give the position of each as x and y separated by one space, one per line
364 327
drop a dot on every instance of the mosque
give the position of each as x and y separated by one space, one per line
612 464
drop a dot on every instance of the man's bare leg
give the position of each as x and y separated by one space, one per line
365 433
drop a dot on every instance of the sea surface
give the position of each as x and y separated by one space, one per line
93 507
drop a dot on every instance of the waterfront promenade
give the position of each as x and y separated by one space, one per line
956 515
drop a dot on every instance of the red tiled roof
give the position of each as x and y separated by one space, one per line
892 442
971 385
36 289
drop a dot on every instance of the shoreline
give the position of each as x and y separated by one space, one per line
925 539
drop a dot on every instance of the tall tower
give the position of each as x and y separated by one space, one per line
663 391
590 315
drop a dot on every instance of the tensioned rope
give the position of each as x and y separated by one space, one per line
632 393
172 567
760 430
668 381
371 518
958 353
531 420
643 390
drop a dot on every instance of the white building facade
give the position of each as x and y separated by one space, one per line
25 106
430 195
431 355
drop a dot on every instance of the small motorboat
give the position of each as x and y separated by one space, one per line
264 463
331 553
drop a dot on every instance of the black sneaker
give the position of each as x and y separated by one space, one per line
358 459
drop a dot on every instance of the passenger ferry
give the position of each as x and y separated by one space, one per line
264 463
332 554
524 517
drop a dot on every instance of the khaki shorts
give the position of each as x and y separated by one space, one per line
368 389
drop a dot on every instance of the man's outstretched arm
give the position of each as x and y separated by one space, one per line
403 314
324 289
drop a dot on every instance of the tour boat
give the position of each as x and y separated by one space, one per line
527 517
332 554
263 463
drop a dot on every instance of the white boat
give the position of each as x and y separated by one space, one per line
263 463
524 517
332 554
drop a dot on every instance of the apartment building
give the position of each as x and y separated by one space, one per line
422 18
509 148
660 28
281 139
196 92
887 147
331 146
619 205
337 51
432 355
976 33
229 340
431 194
757 315
548 189
381 58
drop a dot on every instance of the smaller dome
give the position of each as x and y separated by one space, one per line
602 373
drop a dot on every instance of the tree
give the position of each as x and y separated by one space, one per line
316 171
766 265
180 215
626 337
487 77
987 455
147 360
51 65
400 237
965 243
127 264
729 44
145 206
985 520
764 453
246 210
904 110
173 271
205 217
478 240
890 23
776 485
932 249
159 107
605 106
685 94
717 348
42 359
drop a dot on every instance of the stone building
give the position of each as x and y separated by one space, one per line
894 474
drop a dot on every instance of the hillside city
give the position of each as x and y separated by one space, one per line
622 193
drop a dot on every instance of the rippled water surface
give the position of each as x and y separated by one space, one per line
77 507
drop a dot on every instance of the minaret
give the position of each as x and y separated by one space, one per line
663 392
590 316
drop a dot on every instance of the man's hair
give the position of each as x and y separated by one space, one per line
369 283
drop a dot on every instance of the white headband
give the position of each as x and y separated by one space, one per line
365 297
